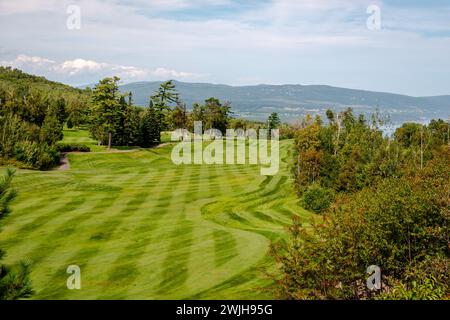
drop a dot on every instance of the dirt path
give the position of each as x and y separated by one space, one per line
64 163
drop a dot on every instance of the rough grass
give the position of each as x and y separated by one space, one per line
142 228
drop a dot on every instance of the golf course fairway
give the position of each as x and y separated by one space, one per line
140 227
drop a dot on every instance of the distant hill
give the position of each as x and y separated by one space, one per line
293 101
17 79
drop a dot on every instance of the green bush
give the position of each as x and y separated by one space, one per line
317 199
37 156
427 288
72 147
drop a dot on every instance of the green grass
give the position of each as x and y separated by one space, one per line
81 137
142 228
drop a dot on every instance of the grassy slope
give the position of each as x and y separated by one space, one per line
140 227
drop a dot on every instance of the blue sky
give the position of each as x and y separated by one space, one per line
234 42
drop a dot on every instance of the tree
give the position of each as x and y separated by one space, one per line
317 199
344 155
239 124
179 117
162 101
14 281
78 108
52 130
58 108
107 112
216 114
150 130
197 114
119 136
273 122
307 156
132 122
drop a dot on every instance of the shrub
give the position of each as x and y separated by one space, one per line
317 199
72 147
37 156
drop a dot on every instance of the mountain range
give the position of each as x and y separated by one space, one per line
293 101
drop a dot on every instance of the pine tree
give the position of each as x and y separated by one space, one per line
106 103
52 130
162 101
132 122
274 121
150 130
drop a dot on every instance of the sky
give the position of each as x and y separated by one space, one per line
394 46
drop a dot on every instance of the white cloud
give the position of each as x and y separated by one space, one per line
72 67
167 73
23 59
81 68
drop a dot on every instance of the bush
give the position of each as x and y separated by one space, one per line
317 199
72 147
37 156
287 132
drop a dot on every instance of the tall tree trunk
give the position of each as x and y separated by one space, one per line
109 140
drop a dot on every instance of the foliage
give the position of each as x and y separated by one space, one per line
214 115
107 110
72 147
317 199
35 155
162 102
400 224
150 130
273 122
51 130
32 114
287 131
350 153
179 118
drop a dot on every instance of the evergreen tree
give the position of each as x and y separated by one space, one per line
132 122
52 130
162 101
119 136
107 111
274 121
58 108
150 130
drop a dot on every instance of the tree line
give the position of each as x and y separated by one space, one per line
115 121
33 112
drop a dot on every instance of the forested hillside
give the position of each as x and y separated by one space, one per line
33 112
385 203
